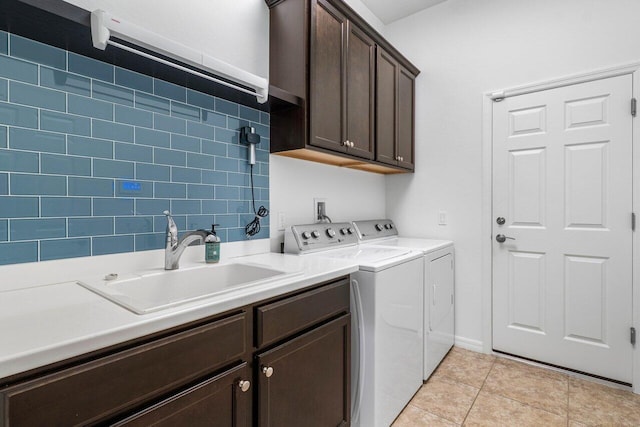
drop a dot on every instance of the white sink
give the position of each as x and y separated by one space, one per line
161 289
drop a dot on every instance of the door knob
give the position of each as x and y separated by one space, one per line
500 220
267 371
244 385
501 238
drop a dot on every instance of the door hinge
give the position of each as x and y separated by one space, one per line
633 221
634 106
633 336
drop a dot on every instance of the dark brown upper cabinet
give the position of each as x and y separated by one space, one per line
324 55
395 102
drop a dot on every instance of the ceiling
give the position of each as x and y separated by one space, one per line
392 10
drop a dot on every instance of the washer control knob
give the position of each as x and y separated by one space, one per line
306 235
379 227
331 233
343 231
315 234
387 226
350 230
390 226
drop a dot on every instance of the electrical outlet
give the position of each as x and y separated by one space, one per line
316 201
281 221
442 218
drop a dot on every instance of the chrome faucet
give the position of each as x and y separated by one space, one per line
174 248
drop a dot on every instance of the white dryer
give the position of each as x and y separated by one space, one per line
387 323
439 313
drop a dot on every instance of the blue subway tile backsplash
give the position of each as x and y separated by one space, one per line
112 245
19 161
90 67
36 96
34 140
92 154
133 80
4 89
66 123
65 206
88 107
4 184
67 82
18 252
4 37
37 52
64 248
31 184
169 90
17 115
33 229
17 69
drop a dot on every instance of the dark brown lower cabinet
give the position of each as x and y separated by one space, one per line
302 382
218 402
208 373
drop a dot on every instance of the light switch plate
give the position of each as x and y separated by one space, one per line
282 219
442 218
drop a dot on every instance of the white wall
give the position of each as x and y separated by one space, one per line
367 15
294 183
465 48
235 31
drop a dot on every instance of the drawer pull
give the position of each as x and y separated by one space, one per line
244 385
267 371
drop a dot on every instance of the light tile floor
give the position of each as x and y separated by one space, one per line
474 389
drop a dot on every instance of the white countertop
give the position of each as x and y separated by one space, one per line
43 324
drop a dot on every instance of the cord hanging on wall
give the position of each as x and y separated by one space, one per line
249 136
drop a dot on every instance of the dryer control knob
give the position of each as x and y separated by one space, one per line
331 233
350 230
306 235
315 234
379 227
387 226
343 231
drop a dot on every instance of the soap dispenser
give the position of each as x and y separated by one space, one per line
212 246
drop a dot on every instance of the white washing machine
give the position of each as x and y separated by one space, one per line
438 284
387 324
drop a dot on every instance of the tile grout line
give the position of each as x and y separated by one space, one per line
525 403
479 390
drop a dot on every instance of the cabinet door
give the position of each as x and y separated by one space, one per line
111 385
360 92
328 32
310 379
406 122
218 402
386 100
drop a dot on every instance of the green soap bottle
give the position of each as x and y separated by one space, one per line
212 246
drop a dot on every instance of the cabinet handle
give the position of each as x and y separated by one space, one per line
346 143
244 385
267 371
351 144
401 159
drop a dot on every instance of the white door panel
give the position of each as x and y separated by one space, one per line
562 179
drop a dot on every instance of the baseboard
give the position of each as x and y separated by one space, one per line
468 344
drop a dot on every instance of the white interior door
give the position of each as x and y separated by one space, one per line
562 181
